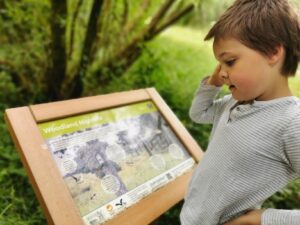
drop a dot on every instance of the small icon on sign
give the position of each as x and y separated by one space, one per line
120 203
109 208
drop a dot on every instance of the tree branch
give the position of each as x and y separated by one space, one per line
74 87
145 34
73 24
125 57
149 33
129 27
91 32
160 14
173 18
125 13
57 70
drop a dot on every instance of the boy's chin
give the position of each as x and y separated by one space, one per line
241 98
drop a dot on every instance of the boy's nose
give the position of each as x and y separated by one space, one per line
224 74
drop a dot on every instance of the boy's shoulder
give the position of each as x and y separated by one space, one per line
293 111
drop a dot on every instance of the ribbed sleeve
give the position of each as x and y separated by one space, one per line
204 106
280 217
291 143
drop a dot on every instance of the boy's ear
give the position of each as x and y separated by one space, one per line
277 55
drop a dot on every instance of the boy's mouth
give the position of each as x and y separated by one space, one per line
231 87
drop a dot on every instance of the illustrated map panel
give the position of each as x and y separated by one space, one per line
113 158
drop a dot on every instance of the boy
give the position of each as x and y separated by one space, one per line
254 147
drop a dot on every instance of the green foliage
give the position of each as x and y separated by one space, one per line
31 42
11 94
18 204
24 34
173 63
288 198
295 84
208 11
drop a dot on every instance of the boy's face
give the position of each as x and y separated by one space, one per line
250 75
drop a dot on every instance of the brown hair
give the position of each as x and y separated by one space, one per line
263 25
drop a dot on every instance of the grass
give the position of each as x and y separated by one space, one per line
174 63
295 84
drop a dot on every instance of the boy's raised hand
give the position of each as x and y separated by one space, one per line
217 78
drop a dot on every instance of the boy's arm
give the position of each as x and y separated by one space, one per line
250 218
291 143
204 105
268 217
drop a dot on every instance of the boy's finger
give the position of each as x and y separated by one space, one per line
217 69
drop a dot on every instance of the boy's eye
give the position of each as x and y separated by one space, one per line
230 62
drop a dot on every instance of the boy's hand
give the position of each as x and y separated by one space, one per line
250 218
216 78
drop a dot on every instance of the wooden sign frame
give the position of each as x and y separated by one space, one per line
51 190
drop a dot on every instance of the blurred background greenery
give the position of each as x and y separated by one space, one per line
57 49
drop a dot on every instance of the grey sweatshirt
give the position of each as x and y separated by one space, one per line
254 151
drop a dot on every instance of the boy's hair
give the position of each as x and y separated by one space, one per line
263 25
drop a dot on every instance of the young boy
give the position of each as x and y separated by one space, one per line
254 147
